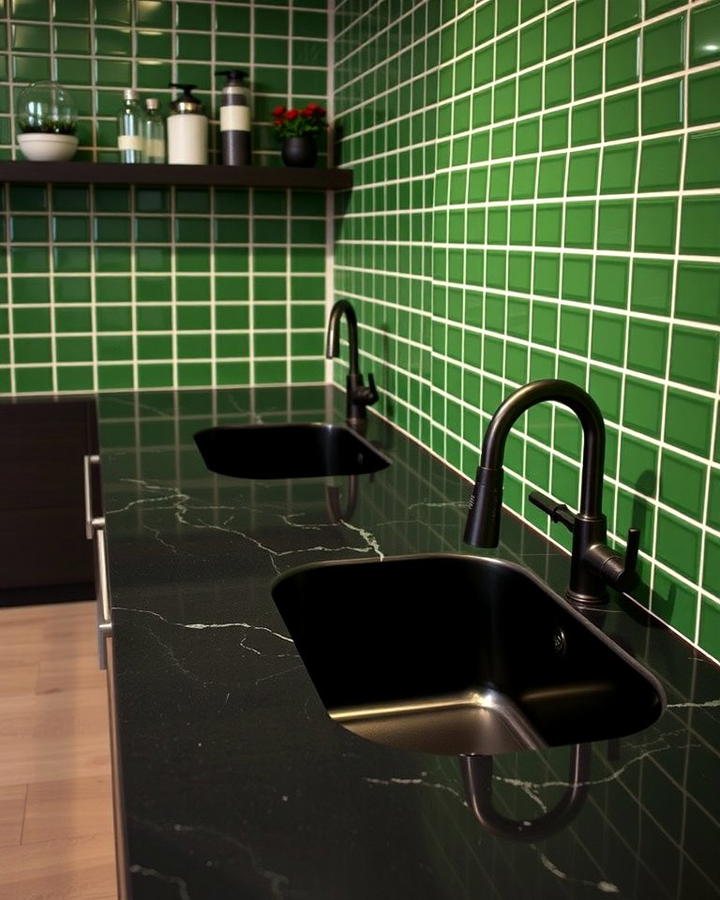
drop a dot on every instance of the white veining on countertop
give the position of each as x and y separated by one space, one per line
605 887
405 782
199 626
180 883
368 536
702 705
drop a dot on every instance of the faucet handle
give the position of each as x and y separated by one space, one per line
628 577
558 512
373 395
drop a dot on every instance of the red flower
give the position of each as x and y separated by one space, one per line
291 114
306 113
278 111
311 106
319 111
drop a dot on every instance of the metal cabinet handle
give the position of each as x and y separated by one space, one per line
102 595
89 459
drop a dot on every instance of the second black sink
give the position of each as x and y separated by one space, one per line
288 450
459 654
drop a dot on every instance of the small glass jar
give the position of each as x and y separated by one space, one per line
131 127
154 133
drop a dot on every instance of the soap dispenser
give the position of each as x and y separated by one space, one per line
235 119
187 129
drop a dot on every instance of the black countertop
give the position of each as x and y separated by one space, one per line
237 784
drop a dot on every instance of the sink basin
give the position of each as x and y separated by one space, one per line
293 450
460 655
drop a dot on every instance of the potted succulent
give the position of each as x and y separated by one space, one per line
298 130
46 119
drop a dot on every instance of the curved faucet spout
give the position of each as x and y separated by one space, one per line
359 396
332 348
593 564
587 411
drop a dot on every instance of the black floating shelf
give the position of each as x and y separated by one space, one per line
145 173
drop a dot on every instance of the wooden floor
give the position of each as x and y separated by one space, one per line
56 834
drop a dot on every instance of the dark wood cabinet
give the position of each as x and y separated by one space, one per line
44 553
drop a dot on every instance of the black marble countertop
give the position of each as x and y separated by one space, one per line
237 784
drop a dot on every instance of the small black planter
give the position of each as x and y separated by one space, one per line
300 151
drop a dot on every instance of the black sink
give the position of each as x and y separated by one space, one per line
459 655
295 450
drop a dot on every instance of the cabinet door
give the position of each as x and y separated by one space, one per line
42 531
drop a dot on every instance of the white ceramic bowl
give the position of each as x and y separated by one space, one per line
48 147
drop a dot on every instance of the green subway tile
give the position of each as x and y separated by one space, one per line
32 350
114 318
662 106
664 47
506 56
580 225
699 229
660 164
704 31
548 224
532 44
709 626
621 61
621 13
682 484
71 259
551 176
29 259
558 81
523 179
643 406
614 225
621 116
589 21
688 421
605 387
546 274
652 286
115 377
73 319
586 123
704 97
154 44
577 277
608 338
72 289
694 357
559 32
698 292
647 347
74 349
655 225
618 169
31 38
31 320
112 289
583 172
156 346
703 151
574 330
678 544
611 281
113 42
75 378
713 516
32 9
588 72
35 380
639 464
555 130
70 229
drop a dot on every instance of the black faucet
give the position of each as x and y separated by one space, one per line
594 565
359 396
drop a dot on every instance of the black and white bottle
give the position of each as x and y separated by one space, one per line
235 119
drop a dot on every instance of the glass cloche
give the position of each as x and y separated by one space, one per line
45 107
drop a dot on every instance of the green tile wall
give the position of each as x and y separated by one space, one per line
537 195
114 288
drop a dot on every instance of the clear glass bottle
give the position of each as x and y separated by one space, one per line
154 133
131 123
